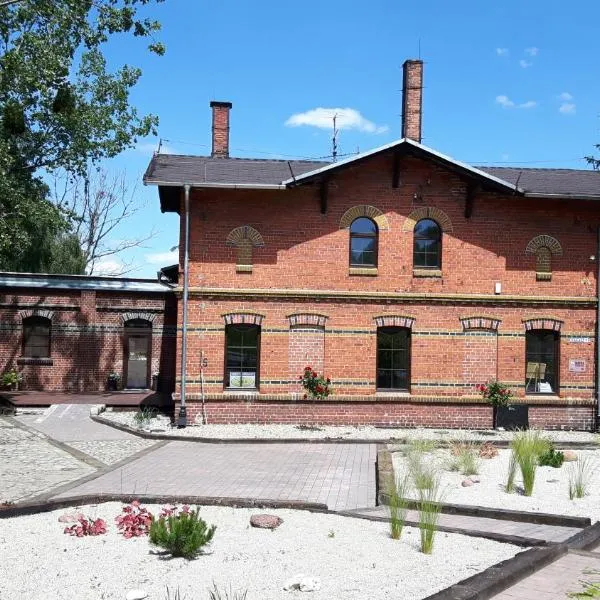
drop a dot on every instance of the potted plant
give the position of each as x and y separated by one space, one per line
505 414
316 386
114 379
11 379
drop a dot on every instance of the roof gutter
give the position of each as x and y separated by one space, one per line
229 186
563 196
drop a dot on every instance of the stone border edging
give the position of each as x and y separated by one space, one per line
29 508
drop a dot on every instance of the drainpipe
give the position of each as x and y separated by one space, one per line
598 330
182 417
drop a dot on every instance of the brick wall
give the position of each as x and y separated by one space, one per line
87 329
301 266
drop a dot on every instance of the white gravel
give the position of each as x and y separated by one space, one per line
360 561
162 425
550 492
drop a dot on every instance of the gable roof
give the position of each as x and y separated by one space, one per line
170 171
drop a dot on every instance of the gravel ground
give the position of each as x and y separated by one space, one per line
162 425
355 559
550 492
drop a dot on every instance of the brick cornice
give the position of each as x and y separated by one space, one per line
428 298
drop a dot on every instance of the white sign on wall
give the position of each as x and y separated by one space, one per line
577 365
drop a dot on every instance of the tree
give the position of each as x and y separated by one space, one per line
98 203
60 108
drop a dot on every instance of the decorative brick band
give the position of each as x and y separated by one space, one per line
542 323
427 212
132 316
246 233
394 321
544 241
240 318
311 319
36 312
490 323
364 210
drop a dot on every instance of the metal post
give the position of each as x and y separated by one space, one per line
598 330
182 417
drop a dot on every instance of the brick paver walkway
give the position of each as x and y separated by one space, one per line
557 580
339 475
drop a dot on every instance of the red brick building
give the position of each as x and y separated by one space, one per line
68 333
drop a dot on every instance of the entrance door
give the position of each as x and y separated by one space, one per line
137 354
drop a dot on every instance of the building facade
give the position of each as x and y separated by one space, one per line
70 333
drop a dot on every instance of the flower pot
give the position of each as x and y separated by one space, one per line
511 417
112 385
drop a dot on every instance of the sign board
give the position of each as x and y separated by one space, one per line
580 340
576 365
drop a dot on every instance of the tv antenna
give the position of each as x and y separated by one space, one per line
334 138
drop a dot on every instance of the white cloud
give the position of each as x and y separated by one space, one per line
163 258
506 102
525 64
565 97
347 118
502 51
108 266
567 108
533 51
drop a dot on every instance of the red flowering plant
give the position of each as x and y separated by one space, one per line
171 510
135 520
87 526
315 385
495 393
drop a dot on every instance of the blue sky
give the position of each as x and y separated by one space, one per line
513 82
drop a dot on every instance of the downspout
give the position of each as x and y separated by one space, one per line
598 330
182 418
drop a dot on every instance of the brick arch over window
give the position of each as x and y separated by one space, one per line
243 318
428 212
549 323
36 312
544 247
394 321
364 210
480 322
144 316
307 320
244 238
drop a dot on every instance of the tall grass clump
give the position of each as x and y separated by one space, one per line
183 534
423 474
527 447
422 446
465 458
398 506
580 473
430 507
226 594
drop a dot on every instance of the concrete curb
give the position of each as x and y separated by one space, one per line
300 440
35 507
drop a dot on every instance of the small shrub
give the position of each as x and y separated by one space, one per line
466 458
183 534
135 520
331 534
316 386
398 506
527 447
580 473
85 527
143 416
552 458
216 594
495 393
430 508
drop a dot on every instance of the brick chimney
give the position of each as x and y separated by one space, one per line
220 129
412 99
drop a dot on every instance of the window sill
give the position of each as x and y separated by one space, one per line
543 276
26 360
436 273
243 268
363 271
395 393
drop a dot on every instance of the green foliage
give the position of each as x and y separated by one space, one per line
580 473
423 474
11 378
552 458
527 447
512 473
143 416
590 590
430 507
398 493
495 392
60 108
183 535
316 386
465 458
422 445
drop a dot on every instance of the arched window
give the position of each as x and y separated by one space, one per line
363 243
36 337
393 358
427 252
